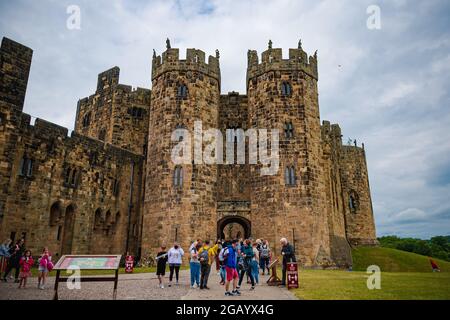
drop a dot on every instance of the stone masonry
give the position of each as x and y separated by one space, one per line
111 186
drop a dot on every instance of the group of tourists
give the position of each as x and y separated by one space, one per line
234 259
16 256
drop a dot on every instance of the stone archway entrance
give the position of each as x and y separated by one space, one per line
243 227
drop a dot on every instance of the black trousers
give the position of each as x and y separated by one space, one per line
12 265
172 268
247 269
264 263
283 277
205 269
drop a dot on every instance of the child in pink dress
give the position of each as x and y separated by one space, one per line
26 262
45 266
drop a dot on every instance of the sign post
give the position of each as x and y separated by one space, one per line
292 275
88 262
274 280
129 264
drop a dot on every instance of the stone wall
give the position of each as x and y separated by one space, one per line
71 179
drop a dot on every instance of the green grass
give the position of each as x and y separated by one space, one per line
404 275
345 285
34 271
393 260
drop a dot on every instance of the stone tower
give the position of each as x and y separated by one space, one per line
115 113
360 227
180 199
15 63
282 94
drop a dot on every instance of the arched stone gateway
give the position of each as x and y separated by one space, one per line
222 223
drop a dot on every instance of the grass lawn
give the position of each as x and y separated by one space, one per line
34 271
404 275
337 284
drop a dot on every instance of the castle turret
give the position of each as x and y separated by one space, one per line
282 94
15 63
357 199
180 200
115 113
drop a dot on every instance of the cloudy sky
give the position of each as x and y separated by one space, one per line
388 87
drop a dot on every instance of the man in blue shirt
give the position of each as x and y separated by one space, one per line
230 261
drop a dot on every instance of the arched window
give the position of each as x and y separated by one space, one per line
288 130
353 201
182 91
115 187
87 120
67 175
97 219
73 179
289 176
55 214
286 89
102 135
178 176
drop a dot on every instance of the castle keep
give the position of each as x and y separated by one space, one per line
111 185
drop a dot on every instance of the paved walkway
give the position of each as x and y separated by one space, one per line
142 286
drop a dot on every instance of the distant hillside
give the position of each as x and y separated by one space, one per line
393 260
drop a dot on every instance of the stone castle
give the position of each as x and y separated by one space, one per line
111 187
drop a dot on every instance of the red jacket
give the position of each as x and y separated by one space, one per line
26 263
433 264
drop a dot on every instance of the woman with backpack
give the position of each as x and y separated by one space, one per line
194 265
247 256
264 256
206 257
222 255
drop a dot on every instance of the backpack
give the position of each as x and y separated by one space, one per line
264 251
204 256
223 255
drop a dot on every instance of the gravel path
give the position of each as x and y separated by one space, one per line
143 286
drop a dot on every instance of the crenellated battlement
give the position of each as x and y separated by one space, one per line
43 130
331 132
272 60
134 95
195 61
